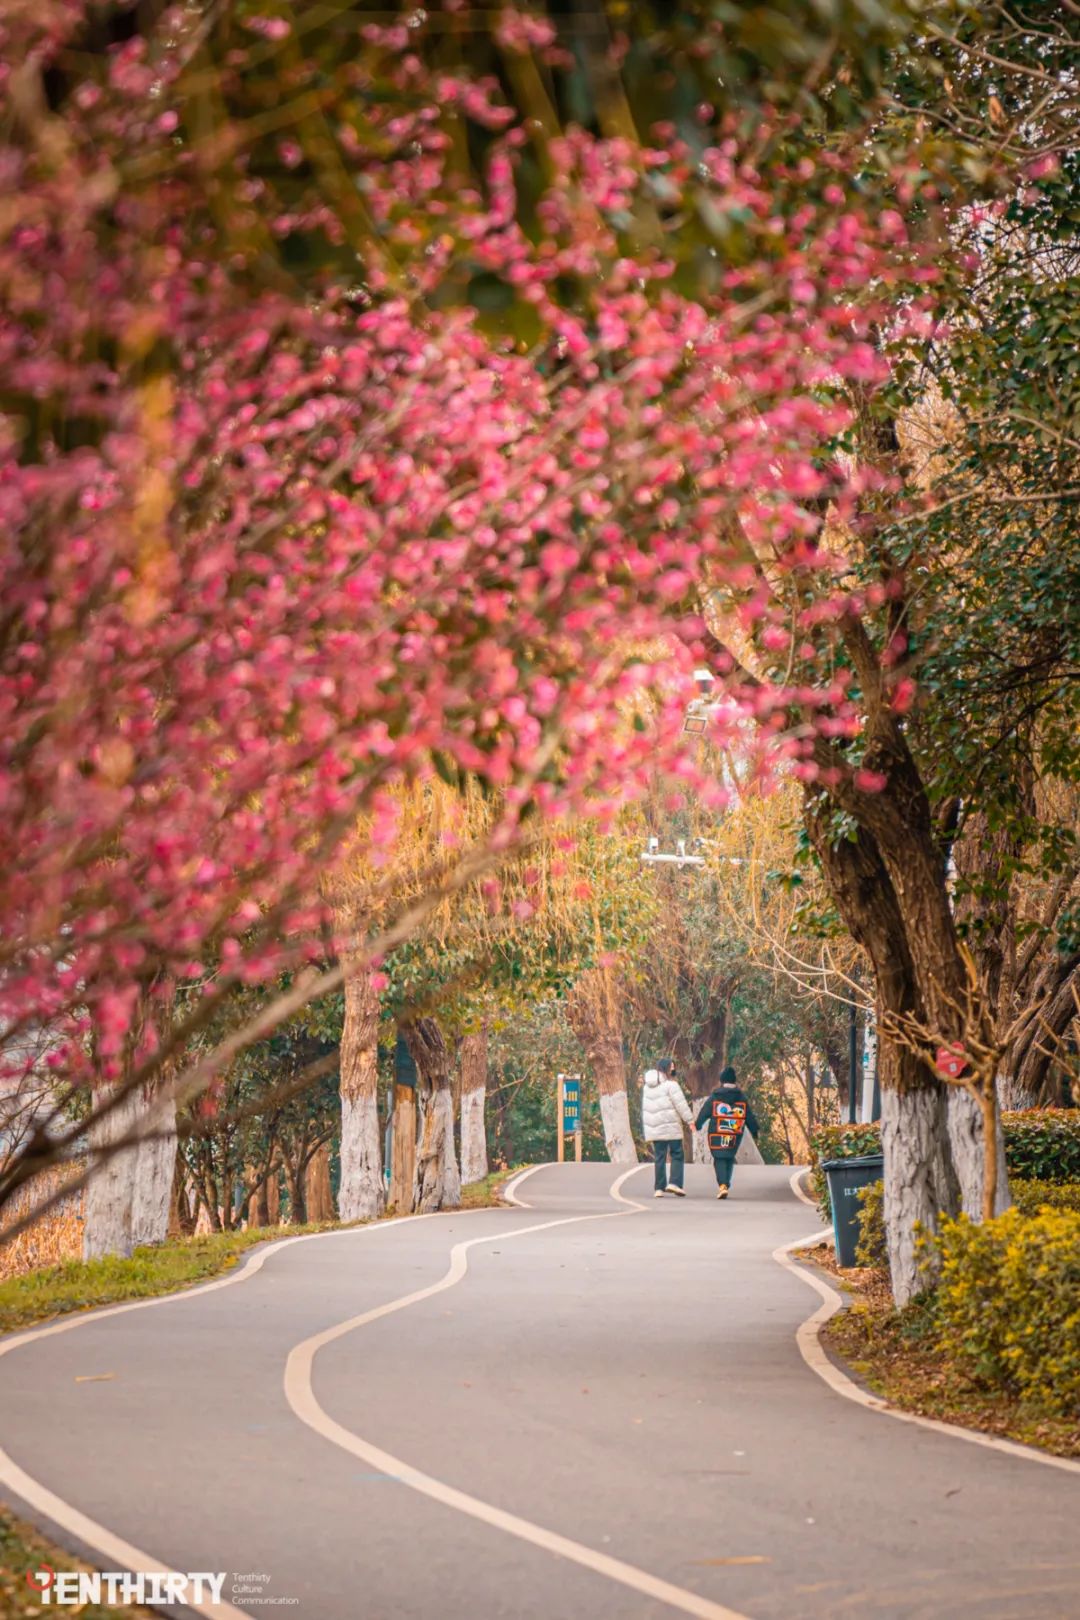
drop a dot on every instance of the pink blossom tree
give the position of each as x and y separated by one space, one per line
275 540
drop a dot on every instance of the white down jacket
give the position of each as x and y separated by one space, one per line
664 1109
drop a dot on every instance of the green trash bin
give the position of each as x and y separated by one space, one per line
846 1179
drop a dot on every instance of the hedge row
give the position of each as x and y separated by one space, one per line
1007 1306
1030 1197
1041 1144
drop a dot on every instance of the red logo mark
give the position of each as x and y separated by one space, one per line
951 1061
41 1579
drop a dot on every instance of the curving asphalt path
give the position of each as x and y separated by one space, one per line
592 1408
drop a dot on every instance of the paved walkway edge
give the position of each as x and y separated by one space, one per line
819 1361
53 1515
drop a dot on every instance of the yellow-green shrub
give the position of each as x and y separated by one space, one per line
872 1248
1007 1305
1032 1196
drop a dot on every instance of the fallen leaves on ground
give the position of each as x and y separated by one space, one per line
898 1356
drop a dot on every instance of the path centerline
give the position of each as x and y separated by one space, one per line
300 1394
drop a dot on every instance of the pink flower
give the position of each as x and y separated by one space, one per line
870 781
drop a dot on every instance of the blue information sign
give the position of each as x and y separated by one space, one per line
571 1103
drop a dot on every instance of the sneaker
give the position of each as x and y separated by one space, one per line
659 1193
722 1192
678 1191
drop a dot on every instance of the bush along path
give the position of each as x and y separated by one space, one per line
79 1285
995 1344
899 1355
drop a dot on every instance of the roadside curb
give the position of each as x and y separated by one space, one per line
817 1358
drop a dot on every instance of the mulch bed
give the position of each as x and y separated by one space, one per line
896 1355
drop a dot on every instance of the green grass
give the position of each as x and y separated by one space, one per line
482 1194
80 1285
23 1551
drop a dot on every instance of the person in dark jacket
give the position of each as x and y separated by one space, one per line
726 1113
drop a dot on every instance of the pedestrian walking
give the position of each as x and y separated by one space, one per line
726 1113
664 1110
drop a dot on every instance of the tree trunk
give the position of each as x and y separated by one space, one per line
212 1204
920 1182
155 1163
749 1152
273 1198
317 1194
110 1191
362 1193
593 1011
295 1184
839 1059
699 1151
966 1138
610 1071
181 1217
403 1149
129 1194
437 1184
1014 1095
474 1156
700 1061
256 1204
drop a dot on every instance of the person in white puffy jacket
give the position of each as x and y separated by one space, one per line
664 1111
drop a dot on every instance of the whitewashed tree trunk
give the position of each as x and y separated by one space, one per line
110 1192
968 1156
438 1181
618 1136
362 1191
474 1158
1013 1095
700 1139
594 1013
129 1195
154 1168
749 1152
919 1181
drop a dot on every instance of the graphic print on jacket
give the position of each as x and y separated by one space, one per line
727 1124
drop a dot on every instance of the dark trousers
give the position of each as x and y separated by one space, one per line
724 1165
660 1155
